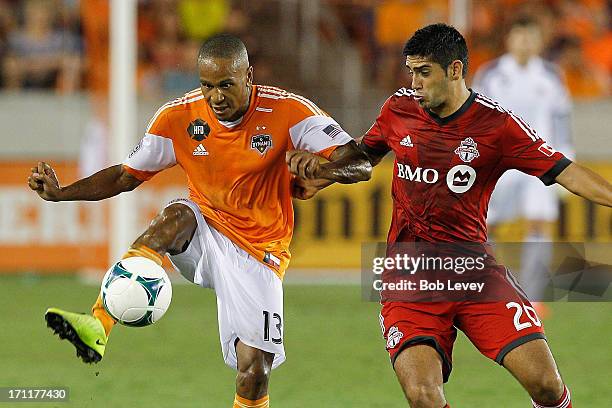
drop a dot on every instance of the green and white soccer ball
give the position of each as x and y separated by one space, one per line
136 291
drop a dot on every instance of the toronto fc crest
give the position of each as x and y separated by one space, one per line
393 337
467 150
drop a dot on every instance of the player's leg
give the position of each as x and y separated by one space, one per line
533 365
419 371
249 307
254 368
510 332
169 232
419 338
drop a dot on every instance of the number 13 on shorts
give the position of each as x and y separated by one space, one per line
272 323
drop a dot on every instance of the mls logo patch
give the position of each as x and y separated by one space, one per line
467 150
393 337
261 142
198 130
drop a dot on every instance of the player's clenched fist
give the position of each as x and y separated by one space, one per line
303 189
303 164
44 181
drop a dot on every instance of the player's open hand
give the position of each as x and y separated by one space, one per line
303 189
44 181
302 164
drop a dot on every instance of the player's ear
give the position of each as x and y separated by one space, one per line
455 70
250 76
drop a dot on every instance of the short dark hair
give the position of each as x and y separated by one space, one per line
441 43
223 46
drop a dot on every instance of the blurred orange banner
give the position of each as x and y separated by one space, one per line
63 237
45 237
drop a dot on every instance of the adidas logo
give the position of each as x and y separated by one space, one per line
407 142
200 151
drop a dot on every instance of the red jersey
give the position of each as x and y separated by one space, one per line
446 168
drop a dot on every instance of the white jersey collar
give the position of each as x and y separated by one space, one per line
231 124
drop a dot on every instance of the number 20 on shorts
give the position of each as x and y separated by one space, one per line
529 311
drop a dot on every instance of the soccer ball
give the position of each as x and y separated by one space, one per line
136 291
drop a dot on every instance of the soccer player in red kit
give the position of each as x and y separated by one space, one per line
451 145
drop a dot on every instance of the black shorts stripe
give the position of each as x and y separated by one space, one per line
447 367
515 343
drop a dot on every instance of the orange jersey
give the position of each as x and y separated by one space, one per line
236 171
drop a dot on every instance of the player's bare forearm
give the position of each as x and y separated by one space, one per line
348 164
586 183
103 184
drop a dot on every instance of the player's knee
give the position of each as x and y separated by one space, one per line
424 395
546 388
254 378
169 229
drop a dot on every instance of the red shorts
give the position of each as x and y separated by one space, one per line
495 328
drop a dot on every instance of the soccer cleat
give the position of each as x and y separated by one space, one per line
84 331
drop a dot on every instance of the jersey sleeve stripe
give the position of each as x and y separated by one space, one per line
531 130
176 102
284 94
484 103
528 131
314 112
489 103
195 92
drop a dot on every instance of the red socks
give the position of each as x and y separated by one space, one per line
564 402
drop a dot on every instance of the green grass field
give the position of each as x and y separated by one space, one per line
335 355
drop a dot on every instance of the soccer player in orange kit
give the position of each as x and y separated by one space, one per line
233 139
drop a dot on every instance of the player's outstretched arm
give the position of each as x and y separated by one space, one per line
104 184
586 183
348 164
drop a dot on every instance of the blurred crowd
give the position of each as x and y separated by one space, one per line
63 45
577 35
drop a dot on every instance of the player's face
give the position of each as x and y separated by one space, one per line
524 42
226 86
429 81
